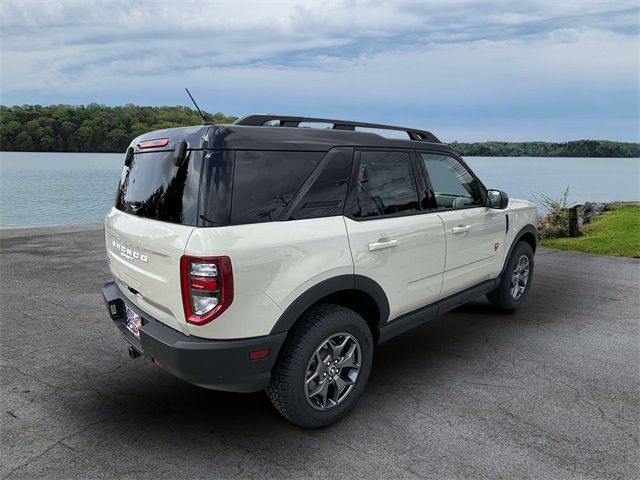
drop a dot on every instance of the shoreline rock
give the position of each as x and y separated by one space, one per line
568 222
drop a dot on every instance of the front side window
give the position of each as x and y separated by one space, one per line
453 185
385 185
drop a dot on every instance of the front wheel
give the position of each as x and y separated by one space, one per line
516 280
323 367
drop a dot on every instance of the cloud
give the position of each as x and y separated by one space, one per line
485 65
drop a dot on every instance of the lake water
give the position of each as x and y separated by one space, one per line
45 189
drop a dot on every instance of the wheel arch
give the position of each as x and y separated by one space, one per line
528 234
356 292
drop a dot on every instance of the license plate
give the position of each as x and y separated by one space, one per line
133 321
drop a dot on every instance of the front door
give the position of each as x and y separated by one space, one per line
393 240
475 233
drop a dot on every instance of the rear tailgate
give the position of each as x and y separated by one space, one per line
144 257
156 210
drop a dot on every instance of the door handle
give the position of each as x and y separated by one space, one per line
382 245
460 229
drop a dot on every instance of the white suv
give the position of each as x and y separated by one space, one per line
265 255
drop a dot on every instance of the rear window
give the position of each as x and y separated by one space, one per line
153 187
386 185
265 182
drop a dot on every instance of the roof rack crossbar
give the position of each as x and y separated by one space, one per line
292 121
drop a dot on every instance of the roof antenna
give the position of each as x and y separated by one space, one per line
204 118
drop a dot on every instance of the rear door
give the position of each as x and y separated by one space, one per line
156 211
475 233
394 240
144 257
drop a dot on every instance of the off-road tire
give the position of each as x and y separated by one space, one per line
501 297
287 391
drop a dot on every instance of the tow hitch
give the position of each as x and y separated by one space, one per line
133 353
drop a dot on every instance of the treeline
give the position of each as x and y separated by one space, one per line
100 128
90 128
578 148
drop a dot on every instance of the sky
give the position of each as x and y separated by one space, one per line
466 70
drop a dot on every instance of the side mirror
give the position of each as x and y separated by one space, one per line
497 199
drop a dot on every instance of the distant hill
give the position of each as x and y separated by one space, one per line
100 128
577 148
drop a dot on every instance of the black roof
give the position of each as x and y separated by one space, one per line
282 132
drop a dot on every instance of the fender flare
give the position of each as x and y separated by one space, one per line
529 228
327 287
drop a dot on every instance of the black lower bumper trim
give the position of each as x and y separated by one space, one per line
215 364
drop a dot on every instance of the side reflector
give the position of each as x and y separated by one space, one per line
155 143
158 363
259 354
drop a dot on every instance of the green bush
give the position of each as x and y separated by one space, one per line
556 222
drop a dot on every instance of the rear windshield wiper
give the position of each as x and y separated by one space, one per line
202 217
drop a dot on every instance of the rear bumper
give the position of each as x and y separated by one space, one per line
215 364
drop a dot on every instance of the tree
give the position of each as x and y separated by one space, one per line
24 142
99 128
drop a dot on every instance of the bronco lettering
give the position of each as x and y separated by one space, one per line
129 254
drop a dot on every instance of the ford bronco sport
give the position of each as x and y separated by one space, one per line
265 255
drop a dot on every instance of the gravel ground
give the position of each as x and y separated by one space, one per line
551 391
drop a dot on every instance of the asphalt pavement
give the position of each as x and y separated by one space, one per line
550 391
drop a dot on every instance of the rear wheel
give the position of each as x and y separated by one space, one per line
323 367
516 280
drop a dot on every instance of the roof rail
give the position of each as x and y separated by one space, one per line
292 121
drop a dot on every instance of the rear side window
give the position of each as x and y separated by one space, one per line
385 185
327 191
153 187
265 182
217 185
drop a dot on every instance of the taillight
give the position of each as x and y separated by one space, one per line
207 287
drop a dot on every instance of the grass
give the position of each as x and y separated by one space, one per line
615 232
